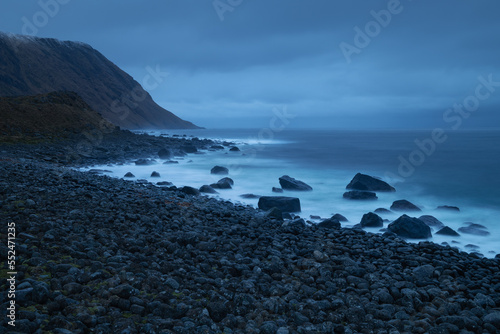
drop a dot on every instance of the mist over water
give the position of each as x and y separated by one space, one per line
462 171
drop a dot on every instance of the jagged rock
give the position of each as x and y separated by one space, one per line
448 231
289 183
368 183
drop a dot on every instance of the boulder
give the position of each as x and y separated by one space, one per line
368 183
329 223
339 217
217 147
190 191
289 183
382 210
404 205
164 153
129 174
285 204
360 195
219 170
448 208
431 221
277 190
474 229
155 174
409 227
448 231
234 149
371 220
207 189
224 183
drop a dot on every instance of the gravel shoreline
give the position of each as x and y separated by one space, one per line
103 255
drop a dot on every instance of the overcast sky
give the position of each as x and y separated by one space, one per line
340 64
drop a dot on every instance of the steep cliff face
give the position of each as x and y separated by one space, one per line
31 66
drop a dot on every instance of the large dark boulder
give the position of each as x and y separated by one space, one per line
369 183
219 170
404 205
224 183
371 220
360 195
285 204
409 227
431 221
289 183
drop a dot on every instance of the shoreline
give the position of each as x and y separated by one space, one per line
97 252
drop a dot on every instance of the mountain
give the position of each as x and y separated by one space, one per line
31 66
52 115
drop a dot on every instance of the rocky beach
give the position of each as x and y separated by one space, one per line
97 254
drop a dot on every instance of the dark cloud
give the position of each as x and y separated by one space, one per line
415 65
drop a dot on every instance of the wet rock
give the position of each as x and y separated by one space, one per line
371 220
277 190
164 153
382 211
448 231
368 183
274 213
207 189
289 183
144 162
411 228
234 149
190 191
224 183
329 223
404 205
219 170
339 217
250 196
129 174
155 174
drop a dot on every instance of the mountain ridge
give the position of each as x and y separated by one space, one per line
33 66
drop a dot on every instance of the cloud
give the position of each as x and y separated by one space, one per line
270 52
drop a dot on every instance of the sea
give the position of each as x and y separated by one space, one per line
429 168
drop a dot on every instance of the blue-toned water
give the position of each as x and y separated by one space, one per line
456 168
